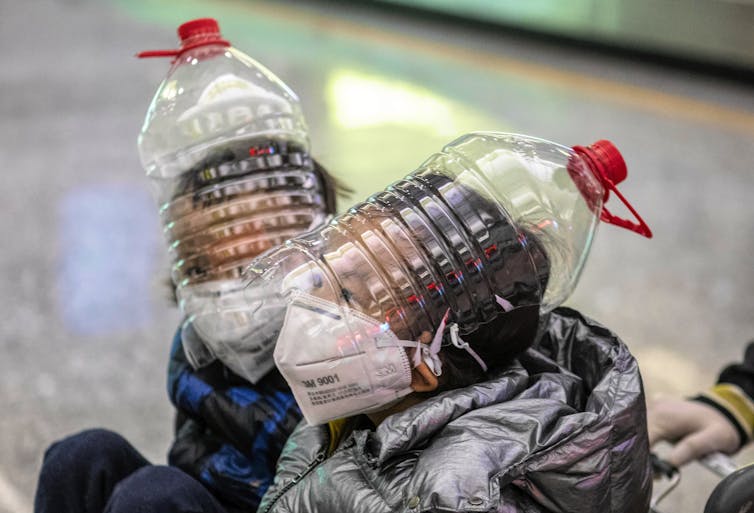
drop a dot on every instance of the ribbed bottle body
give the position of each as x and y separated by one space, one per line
494 219
226 149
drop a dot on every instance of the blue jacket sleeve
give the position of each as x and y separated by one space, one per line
229 432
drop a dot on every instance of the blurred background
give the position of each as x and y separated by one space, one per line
87 322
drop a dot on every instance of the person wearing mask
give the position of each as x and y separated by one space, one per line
527 412
228 431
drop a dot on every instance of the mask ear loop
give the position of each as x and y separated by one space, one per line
458 342
504 303
430 354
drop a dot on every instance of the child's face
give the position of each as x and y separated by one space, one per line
238 201
216 230
216 240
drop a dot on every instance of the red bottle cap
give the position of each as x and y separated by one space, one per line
607 164
204 30
607 158
193 34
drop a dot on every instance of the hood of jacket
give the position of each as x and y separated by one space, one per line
562 429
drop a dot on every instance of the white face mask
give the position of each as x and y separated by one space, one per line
246 356
225 329
340 362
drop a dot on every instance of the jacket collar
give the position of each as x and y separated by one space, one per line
415 426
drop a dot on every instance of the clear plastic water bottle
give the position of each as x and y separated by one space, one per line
493 222
226 148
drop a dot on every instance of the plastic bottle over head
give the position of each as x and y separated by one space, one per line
213 94
493 222
226 148
553 193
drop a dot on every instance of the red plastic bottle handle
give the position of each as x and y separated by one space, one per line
606 216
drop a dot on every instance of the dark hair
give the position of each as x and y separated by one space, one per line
197 177
499 341
234 161
334 187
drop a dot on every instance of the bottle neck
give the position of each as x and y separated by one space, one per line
198 54
220 45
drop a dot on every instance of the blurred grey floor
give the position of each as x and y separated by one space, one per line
87 326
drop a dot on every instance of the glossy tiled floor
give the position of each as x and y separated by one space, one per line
87 324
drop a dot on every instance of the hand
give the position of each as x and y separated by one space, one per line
695 428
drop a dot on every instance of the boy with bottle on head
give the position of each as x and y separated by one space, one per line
404 327
226 148
229 431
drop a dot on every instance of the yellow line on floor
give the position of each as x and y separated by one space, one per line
641 98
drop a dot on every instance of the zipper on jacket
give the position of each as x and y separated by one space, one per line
298 477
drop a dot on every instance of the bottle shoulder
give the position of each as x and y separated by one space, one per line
225 96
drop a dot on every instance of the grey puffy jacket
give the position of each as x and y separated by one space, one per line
561 430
